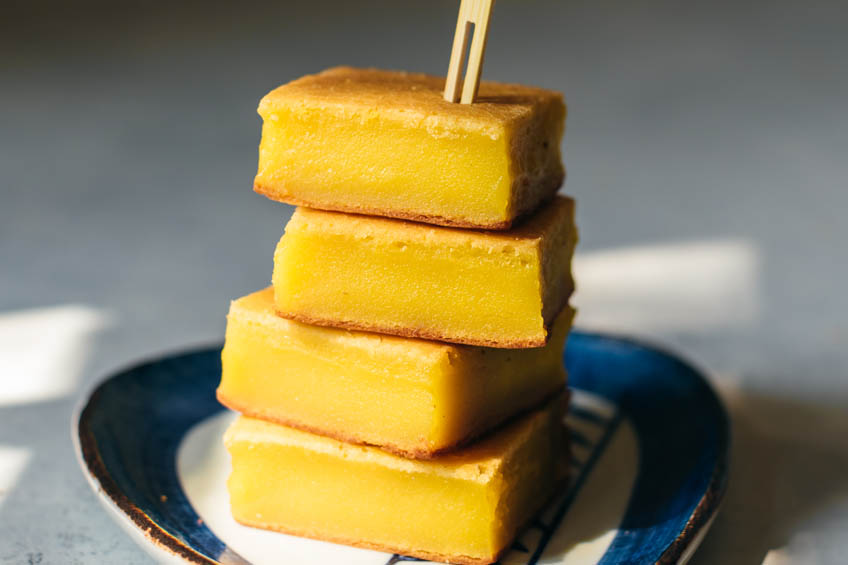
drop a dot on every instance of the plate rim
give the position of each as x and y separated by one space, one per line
165 547
687 542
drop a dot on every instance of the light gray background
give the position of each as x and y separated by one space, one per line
128 144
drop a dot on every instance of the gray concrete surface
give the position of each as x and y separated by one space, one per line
128 141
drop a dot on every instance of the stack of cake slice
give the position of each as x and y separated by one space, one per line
401 384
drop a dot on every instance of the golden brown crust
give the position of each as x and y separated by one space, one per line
526 202
543 225
555 277
421 554
425 333
410 96
536 161
525 208
421 452
561 303
387 213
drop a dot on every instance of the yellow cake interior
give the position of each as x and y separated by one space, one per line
500 289
409 395
386 143
465 506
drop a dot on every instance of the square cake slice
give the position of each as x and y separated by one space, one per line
409 396
496 289
462 507
386 143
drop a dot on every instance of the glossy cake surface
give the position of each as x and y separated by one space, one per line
386 143
463 507
496 289
410 396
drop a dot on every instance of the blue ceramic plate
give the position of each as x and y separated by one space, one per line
650 443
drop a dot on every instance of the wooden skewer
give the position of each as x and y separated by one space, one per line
476 13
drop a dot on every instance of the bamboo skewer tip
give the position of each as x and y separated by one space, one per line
474 15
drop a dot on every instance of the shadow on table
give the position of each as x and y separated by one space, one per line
48 513
789 464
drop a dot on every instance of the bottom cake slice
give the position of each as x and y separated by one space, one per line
461 507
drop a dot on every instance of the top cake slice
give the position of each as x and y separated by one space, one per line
386 143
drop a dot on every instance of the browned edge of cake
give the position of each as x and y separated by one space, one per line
422 333
368 211
532 186
557 287
525 209
426 555
527 202
421 453
560 305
